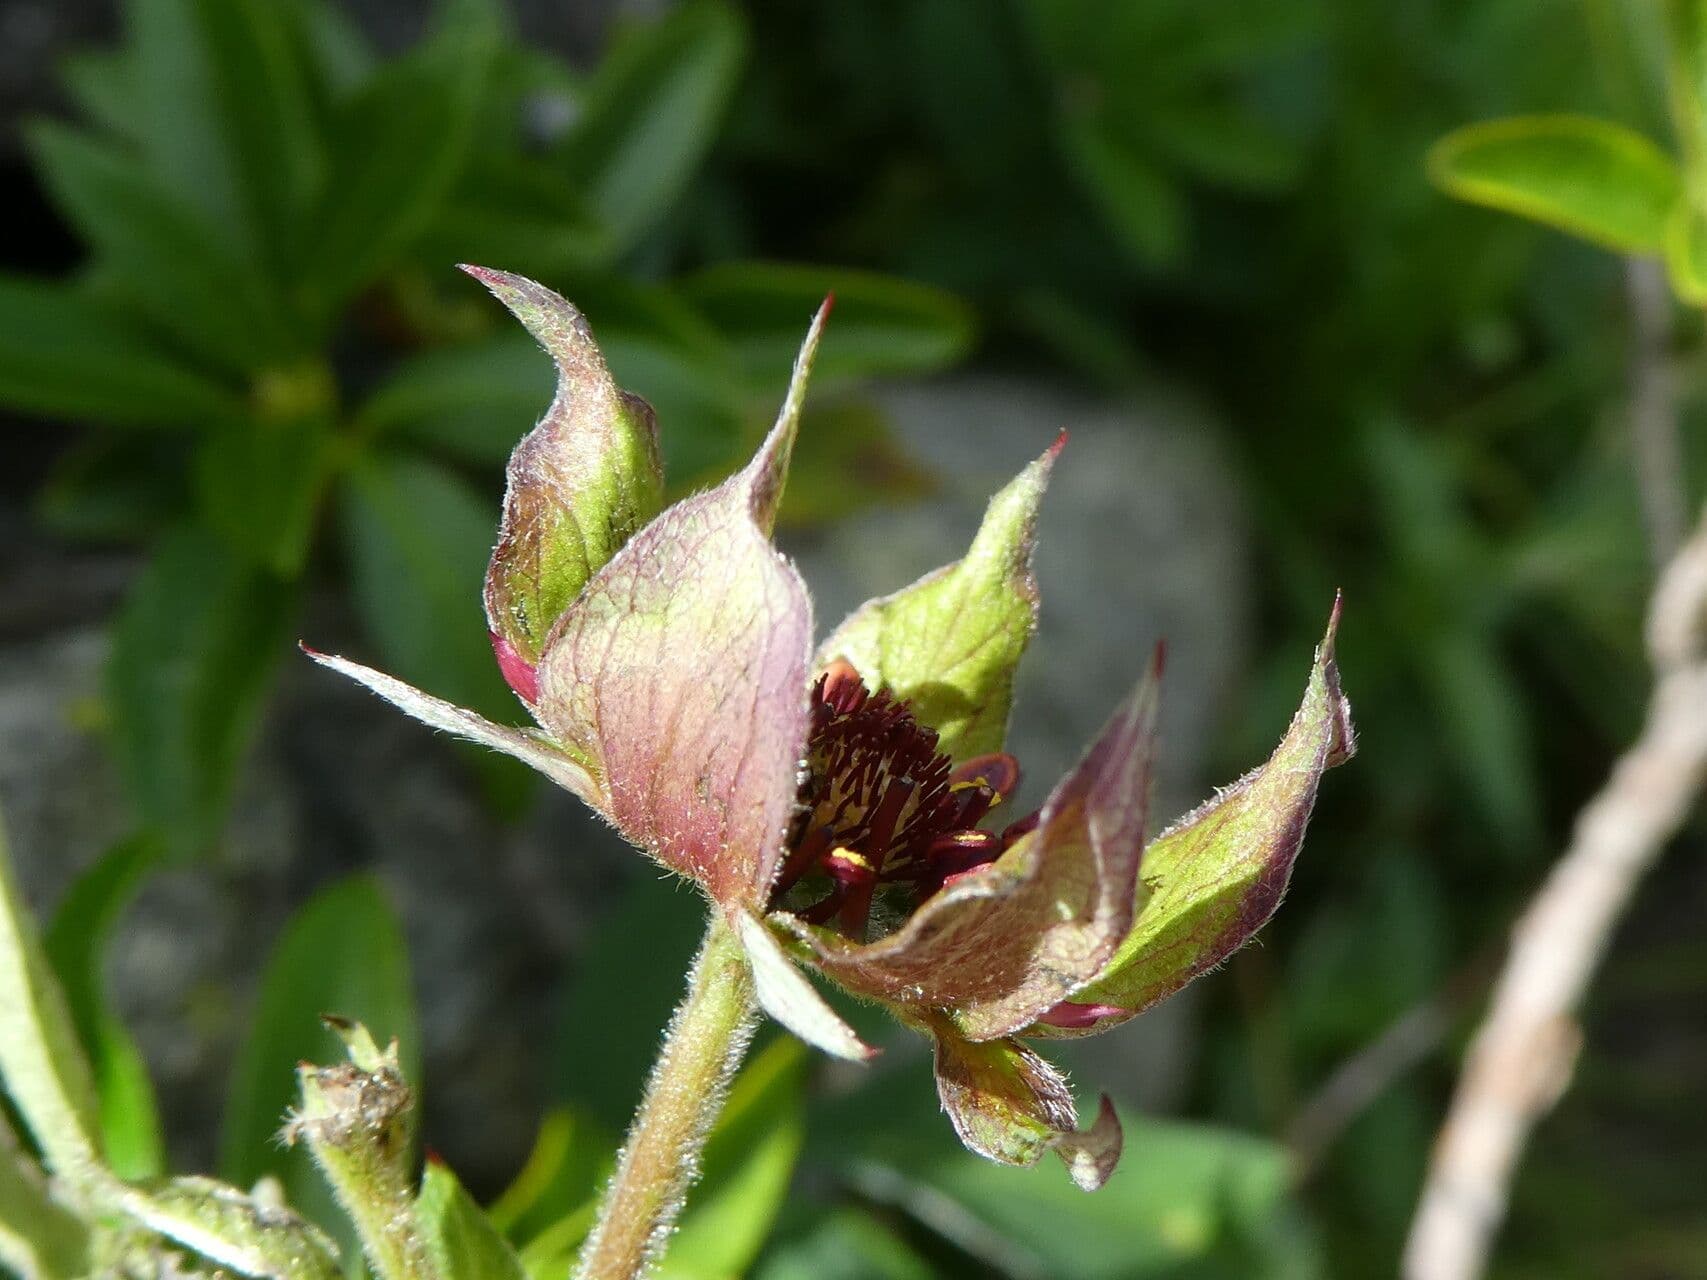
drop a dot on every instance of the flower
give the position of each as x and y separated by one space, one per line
836 804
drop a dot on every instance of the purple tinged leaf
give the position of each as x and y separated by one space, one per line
1009 1105
1217 875
949 643
524 744
1000 946
579 485
680 675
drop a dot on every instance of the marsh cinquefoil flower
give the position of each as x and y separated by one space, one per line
836 804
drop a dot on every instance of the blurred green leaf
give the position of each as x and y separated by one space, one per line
848 459
225 114
474 401
343 952
844 1244
65 355
111 487
417 540
76 945
1589 177
1686 252
565 1170
193 650
169 261
461 1239
748 1163
650 113
1140 205
259 486
398 145
517 212
880 325
102 84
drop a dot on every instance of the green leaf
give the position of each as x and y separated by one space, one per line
1588 177
102 83
473 402
342 953
260 484
418 539
460 1238
225 113
192 655
518 210
110 487
42 1066
76 945
65 355
1686 252
652 112
748 1163
949 644
166 258
38 1236
845 1244
1141 206
880 325
570 1159
399 145
1200 1201
1215 876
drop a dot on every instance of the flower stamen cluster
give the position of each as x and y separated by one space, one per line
886 818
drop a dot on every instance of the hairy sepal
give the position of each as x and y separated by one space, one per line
680 675
949 643
1216 876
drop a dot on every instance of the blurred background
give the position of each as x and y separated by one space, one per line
246 399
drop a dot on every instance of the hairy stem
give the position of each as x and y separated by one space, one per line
707 1037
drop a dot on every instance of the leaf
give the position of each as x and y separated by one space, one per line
748 1163
882 325
38 1236
398 146
259 486
102 84
46 1077
111 487
76 945
473 401
845 1244
168 259
519 210
1686 252
460 1238
849 460
192 656
950 642
225 114
1141 206
1216 875
64 355
1588 177
417 540
564 1171
343 952
1201 1202
651 113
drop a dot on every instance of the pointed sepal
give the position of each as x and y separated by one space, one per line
949 644
526 745
786 995
1009 1105
680 676
1217 875
579 485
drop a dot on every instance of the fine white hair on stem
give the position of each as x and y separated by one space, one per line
1521 1058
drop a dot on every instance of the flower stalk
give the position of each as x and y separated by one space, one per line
706 1040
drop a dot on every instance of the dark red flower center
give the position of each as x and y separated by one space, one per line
886 819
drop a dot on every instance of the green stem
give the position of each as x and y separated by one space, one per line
707 1037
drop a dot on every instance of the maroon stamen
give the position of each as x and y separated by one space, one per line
881 805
